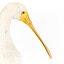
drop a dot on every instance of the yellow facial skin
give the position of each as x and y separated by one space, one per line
25 18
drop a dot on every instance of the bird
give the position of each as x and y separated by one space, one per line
8 52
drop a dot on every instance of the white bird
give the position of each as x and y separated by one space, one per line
8 52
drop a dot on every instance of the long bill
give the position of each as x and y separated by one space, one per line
25 18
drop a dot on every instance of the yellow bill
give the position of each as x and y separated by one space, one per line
25 18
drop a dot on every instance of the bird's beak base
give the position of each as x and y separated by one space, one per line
25 18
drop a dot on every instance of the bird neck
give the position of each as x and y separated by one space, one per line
4 25
5 38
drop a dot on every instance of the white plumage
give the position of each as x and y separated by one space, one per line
8 52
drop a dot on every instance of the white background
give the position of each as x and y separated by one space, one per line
48 18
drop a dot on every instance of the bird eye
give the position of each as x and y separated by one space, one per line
23 12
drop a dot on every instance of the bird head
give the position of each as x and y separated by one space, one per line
19 12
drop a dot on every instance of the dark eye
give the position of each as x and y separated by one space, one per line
23 12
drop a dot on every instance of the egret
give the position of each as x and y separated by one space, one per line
8 52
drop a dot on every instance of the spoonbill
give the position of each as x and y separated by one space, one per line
8 52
